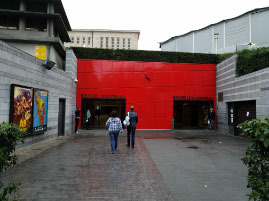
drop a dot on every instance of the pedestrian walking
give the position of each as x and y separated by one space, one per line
88 120
114 127
77 117
211 117
131 128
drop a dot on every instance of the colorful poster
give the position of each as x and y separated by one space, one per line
21 107
40 110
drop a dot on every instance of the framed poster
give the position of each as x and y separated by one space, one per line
40 111
21 107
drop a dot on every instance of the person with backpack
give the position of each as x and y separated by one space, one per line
114 127
131 127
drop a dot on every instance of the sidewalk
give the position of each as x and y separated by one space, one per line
83 168
183 165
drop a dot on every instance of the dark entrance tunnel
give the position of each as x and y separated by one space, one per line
191 114
100 111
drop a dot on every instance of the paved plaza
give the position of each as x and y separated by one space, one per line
196 165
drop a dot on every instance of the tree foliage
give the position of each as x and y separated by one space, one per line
257 158
10 134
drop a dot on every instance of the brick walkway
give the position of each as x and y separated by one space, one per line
84 169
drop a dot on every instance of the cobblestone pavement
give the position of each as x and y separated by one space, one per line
84 169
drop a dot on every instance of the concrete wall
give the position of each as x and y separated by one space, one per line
253 86
18 67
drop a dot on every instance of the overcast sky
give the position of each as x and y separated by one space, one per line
157 20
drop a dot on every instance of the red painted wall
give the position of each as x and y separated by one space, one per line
152 99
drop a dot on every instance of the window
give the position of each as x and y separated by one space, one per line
72 39
123 43
106 42
9 23
36 25
83 40
89 40
101 42
77 40
129 43
112 42
118 43
36 6
10 5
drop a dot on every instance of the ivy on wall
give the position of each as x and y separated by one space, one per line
142 55
249 61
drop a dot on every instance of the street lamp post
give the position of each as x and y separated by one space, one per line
216 35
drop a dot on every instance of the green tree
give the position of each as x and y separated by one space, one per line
257 158
10 134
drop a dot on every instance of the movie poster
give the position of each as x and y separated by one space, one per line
40 110
21 107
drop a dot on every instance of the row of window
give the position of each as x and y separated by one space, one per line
115 42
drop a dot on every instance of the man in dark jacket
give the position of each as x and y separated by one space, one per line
77 115
132 127
211 118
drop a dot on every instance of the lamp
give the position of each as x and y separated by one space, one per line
75 80
49 64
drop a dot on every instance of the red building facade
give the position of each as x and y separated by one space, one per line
159 92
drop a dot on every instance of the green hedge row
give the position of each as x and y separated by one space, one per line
142 55
252 60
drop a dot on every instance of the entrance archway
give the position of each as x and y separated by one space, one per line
191 114
100 110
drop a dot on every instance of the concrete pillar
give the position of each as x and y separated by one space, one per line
50 24
22 22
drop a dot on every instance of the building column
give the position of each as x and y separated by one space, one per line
50 23
22 21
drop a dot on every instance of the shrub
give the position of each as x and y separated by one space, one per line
249 61
10 134
257 158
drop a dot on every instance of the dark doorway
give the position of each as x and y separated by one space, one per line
191 114
100 110
241 111
61 117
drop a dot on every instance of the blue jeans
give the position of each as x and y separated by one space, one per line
211 126
113 141
131 131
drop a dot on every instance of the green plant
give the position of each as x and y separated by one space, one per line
257 158
249 61
142 55
10 134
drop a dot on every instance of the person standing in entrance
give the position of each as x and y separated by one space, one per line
133 118
211 118
114 127
88 119
77 115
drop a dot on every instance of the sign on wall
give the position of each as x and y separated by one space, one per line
40 110
29 108
40 52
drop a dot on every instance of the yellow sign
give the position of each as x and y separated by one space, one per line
40 52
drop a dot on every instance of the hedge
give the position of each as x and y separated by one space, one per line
249 61
142 55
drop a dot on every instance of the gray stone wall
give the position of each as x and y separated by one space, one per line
18 67
253 86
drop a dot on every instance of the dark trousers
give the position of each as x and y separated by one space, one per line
131 131
76 126
88 124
